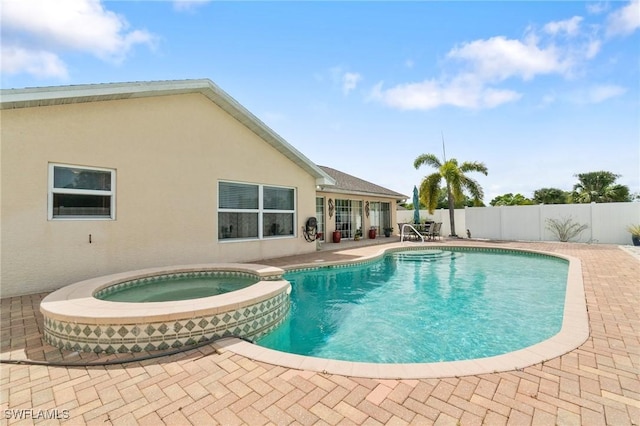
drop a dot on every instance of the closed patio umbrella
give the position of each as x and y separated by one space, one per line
416 206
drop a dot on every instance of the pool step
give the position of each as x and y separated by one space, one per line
426 255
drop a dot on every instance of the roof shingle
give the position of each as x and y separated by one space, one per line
350 184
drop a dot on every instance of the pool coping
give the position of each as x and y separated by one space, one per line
574 332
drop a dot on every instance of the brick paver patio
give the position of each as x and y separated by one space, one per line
596 384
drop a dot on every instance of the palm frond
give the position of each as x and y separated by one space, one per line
474 188
430 190
474 166
427 159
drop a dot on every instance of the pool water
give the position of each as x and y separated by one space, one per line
424 306
170 288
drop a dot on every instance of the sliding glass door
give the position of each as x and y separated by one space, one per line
380 215
320 215
348 217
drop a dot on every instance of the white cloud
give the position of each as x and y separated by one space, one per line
43 29
592 49
493 97
350 81
595 94
483 66
40 64
597 8
463 92
601 93
188 5
347 80
585 96
499 58
625 20
570 27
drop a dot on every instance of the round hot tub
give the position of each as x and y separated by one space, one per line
174 287
75 317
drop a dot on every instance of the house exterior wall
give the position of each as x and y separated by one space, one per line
169 153
330 220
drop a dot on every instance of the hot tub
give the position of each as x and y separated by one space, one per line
75 320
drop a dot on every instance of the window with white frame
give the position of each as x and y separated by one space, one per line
78 192
251 211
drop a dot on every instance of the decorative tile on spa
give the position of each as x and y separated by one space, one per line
251 321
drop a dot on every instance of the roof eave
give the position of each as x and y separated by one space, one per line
364 193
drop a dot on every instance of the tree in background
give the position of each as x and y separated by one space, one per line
443 203
599 187
511 200
455 179
550 196
466 201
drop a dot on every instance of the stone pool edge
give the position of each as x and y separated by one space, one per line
574 332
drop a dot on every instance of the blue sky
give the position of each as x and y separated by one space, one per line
538 91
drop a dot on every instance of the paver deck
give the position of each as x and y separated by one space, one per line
598 383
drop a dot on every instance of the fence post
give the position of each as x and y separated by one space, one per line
540 222
591 221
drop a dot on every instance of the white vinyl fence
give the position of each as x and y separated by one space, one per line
606 222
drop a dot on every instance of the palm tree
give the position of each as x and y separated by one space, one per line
455 179
599 187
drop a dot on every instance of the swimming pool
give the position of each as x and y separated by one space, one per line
429 305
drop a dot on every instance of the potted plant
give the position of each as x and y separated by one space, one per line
372 233
358 234
635 234
387 232
336 236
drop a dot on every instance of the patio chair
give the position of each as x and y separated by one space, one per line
435 230
425 230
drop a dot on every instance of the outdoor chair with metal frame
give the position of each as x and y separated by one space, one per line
435 230
425 230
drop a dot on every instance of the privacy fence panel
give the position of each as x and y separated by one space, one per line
607 222
610 221
578 214
520 223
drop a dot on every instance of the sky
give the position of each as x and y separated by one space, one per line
538 91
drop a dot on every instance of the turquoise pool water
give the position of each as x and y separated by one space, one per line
424 306
172 288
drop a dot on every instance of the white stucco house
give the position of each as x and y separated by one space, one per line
103 178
